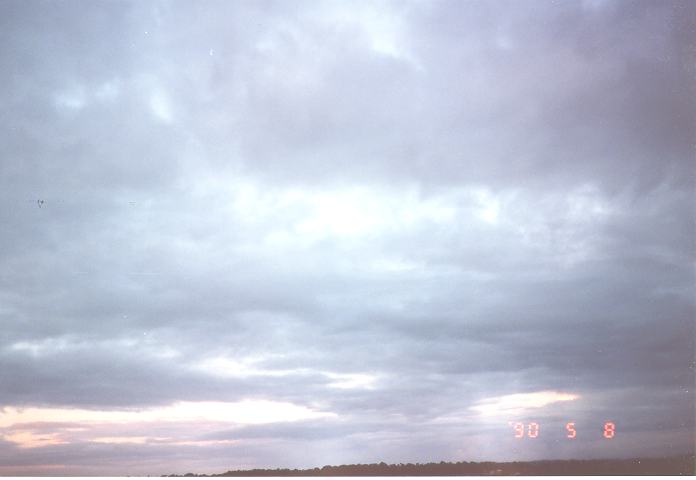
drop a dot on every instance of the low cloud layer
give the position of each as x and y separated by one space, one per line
393 228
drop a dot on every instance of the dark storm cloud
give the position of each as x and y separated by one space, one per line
387 211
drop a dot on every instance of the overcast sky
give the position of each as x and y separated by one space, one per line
291 234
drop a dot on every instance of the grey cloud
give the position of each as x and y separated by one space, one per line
167 140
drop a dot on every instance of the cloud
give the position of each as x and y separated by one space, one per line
518 403
401 214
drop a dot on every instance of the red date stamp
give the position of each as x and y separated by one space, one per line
532 429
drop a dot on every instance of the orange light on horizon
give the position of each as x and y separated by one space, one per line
37 427
519 403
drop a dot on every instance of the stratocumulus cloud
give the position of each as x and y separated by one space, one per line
291 234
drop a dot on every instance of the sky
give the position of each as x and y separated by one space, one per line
291 234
